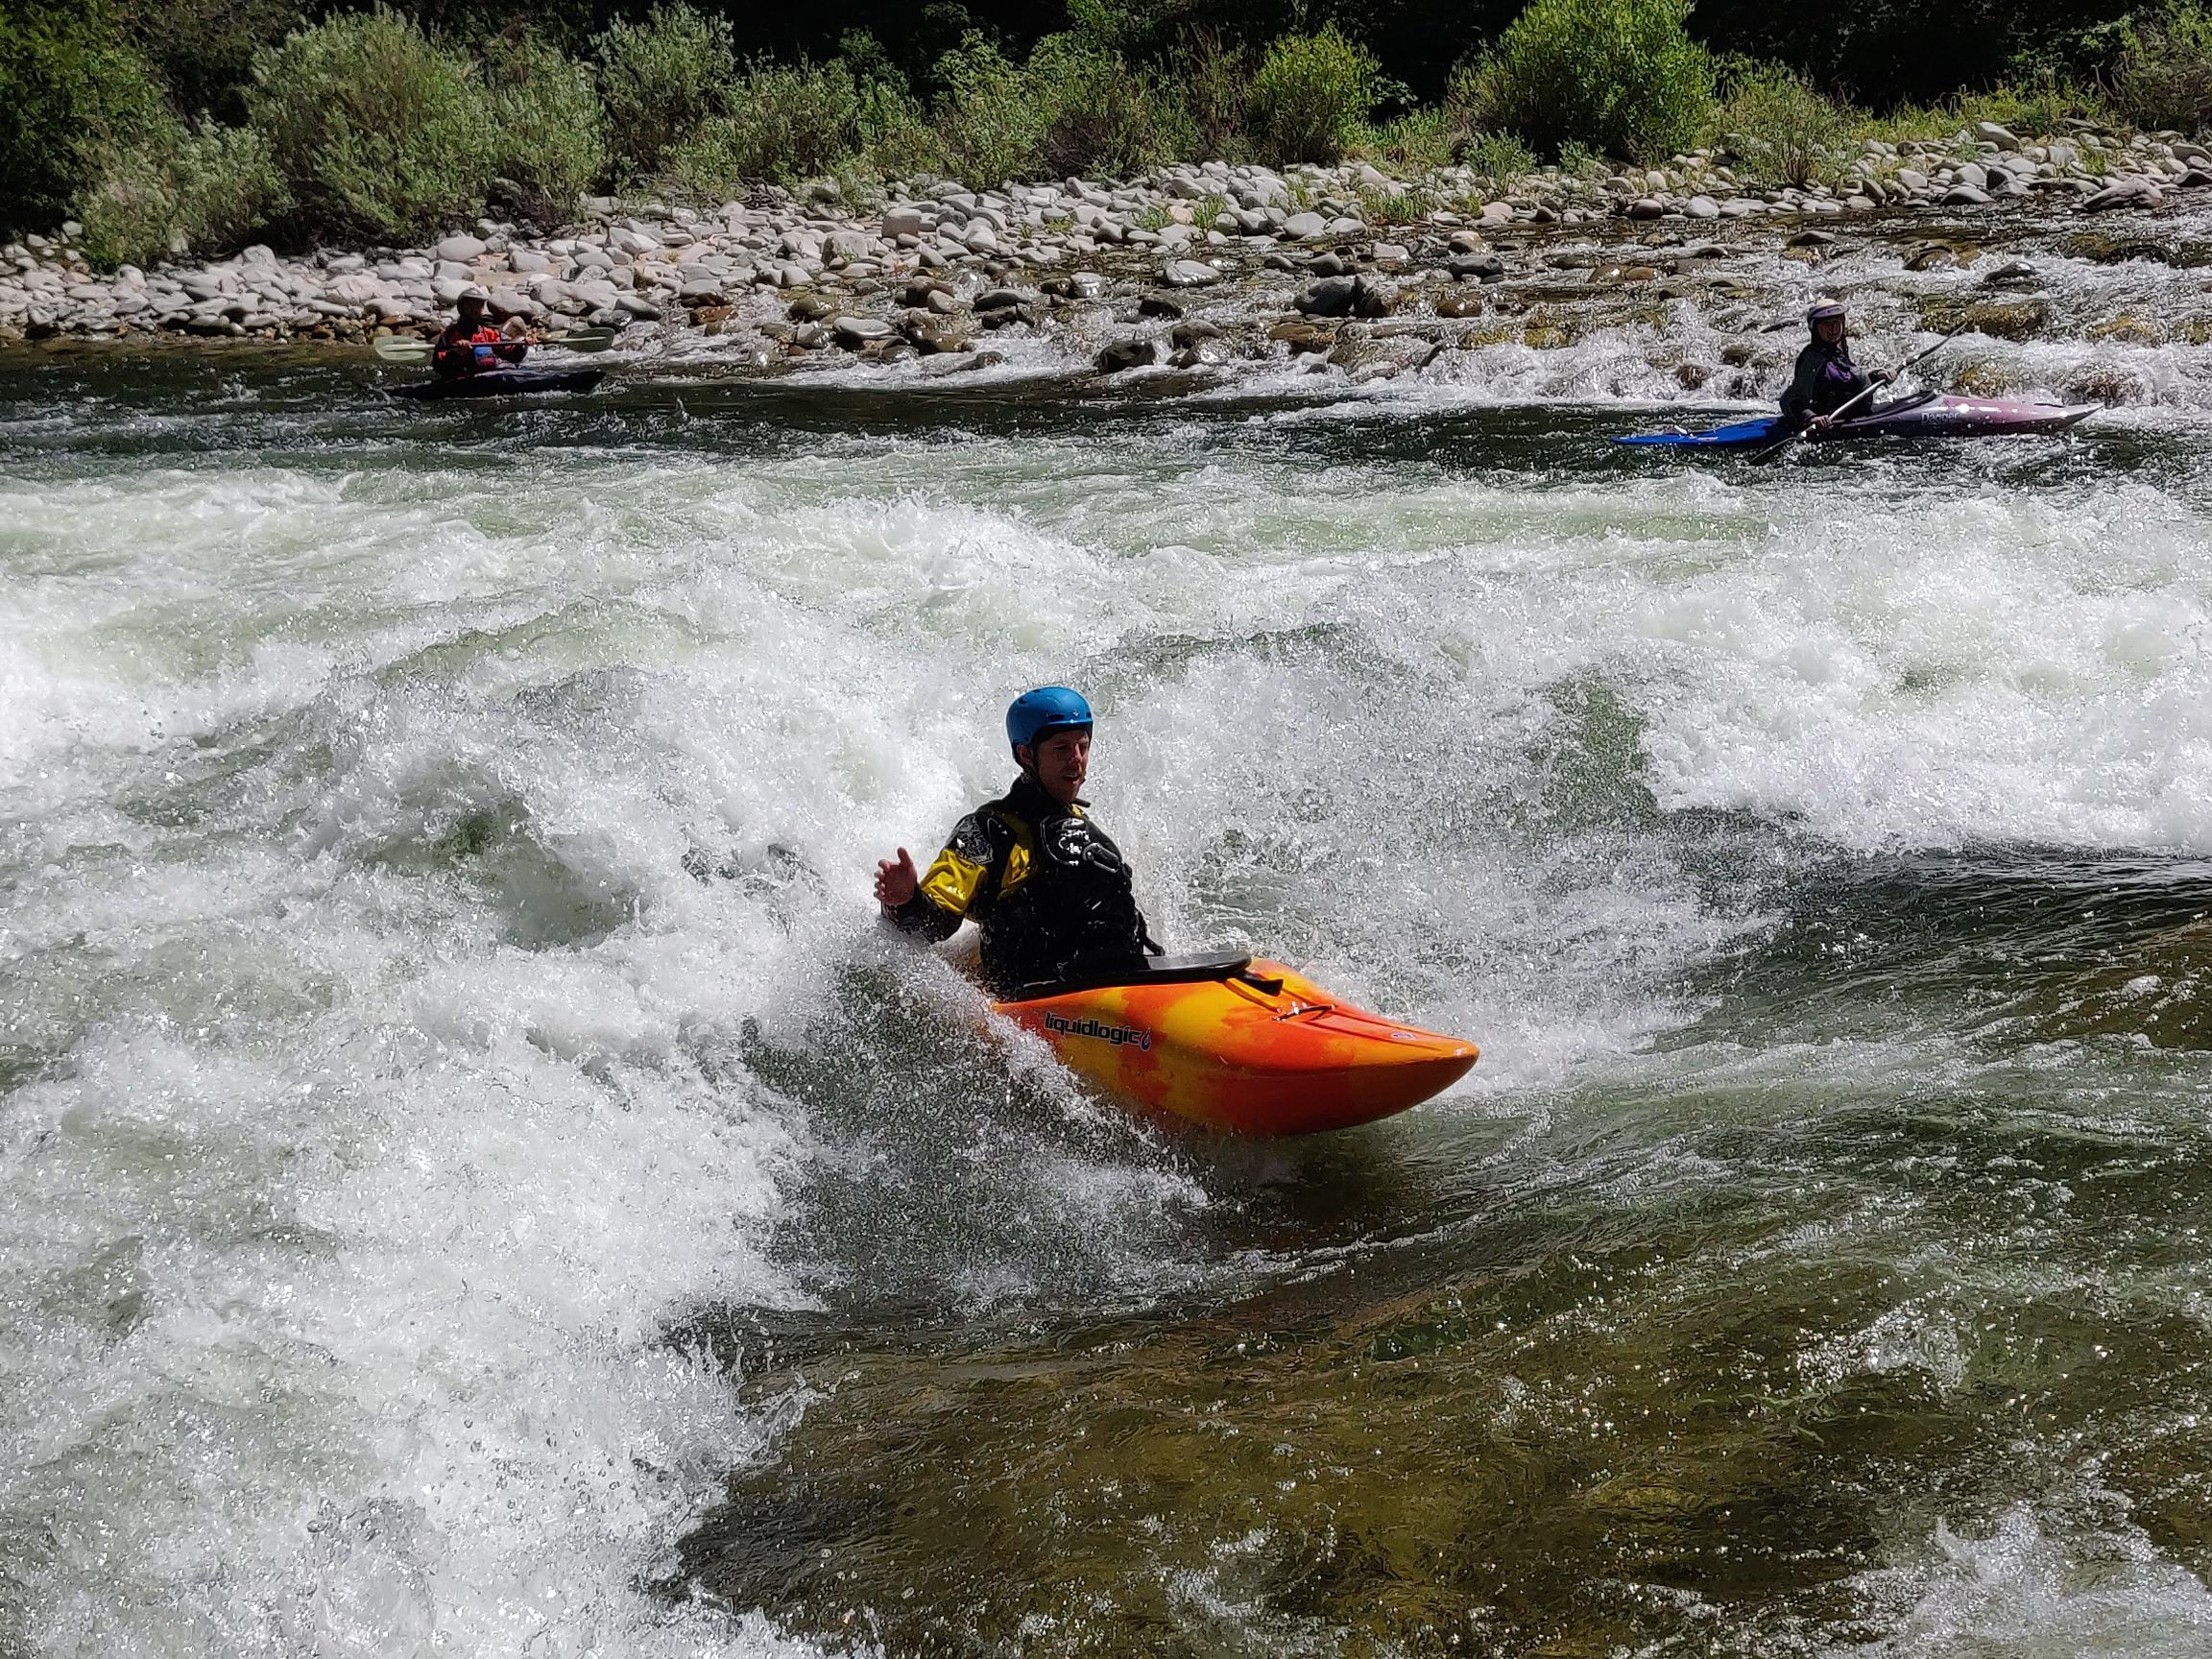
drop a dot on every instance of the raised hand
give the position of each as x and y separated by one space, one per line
896 883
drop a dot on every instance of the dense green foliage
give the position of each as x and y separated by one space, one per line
777 121
549 128
2164 75
1309 96
67 82
192 123
662 77
1621 75
203 49
1780 129
382 133
171 190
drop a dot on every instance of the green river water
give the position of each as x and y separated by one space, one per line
474 1179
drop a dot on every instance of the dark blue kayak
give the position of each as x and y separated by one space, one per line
506 383
1931 415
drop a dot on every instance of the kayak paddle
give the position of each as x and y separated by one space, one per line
1774 449
406 349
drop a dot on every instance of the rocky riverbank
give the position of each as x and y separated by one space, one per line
1344 267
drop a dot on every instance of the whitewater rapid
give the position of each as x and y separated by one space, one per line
438 962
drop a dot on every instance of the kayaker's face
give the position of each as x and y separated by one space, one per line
1830 329
1061 763
473 311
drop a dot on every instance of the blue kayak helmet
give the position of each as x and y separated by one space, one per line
1038 715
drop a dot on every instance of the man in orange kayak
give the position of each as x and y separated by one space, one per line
470 342
1048 888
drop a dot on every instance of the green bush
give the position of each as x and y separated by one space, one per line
548 128
1099 115
66 80
1783 130
2163 78
204 48
1310 96
1501 159
1577 160
988 120
1420 139
171 191
663 78
382 133
784 122
2037 105
1211 80
896 138
1622 75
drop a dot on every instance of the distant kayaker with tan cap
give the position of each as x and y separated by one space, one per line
1826 378
471 344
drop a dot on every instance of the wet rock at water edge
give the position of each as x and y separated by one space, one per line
1075 285
1373 297
2123 193
1303 337
859 332
1477 267
1331 296
1125 354
932 337
1999 319
1189 274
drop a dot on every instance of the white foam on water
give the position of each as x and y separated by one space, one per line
2026 1589
392 1103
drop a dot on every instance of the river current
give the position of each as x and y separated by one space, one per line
475 1179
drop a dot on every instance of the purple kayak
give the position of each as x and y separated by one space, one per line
1930 415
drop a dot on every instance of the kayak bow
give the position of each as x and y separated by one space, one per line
1240 1046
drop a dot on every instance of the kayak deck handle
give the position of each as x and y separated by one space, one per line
1266 984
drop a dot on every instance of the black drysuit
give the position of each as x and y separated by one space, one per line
1048 887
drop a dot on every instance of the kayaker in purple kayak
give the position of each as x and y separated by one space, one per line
1826 377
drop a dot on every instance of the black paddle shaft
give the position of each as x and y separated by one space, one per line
1774 449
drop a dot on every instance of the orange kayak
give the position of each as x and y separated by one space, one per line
1240 1046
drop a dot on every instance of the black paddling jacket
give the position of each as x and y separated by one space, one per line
1826 380
1048 887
